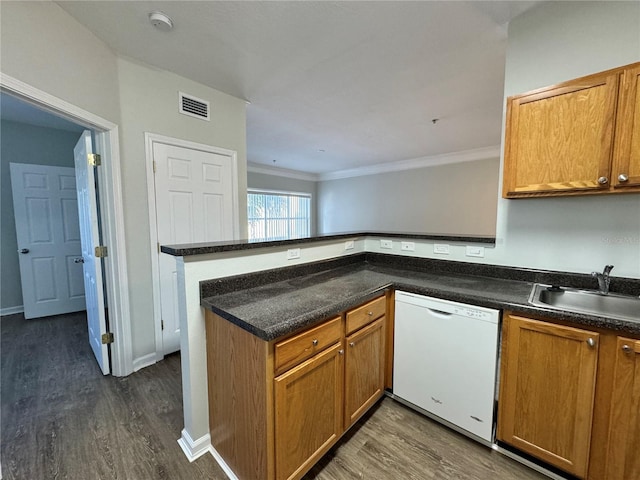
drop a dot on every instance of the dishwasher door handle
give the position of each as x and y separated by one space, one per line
439 312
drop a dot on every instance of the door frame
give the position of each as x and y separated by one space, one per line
149 140
111 208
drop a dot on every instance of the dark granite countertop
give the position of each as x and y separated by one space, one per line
277 308
189 249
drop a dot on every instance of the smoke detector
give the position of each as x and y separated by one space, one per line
161 21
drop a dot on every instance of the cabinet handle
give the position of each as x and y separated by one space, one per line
340 352
591 342
315 342
623 177
627 349
23 250
370 313
603 180
352 344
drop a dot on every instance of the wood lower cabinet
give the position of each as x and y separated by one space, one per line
276 407
364 370
623 460
308 412
547 391
578 137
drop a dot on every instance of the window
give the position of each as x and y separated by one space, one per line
278 215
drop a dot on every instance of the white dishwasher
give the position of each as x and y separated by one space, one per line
445 356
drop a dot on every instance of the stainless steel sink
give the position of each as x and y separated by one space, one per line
624 307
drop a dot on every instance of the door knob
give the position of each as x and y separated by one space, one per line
78 260
23 250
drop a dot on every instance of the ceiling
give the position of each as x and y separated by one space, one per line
16 110
332 85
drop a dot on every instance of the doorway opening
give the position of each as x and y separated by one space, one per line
109 215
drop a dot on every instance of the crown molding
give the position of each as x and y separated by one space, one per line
422 162
484 153
281 172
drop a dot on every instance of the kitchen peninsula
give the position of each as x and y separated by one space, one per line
275 302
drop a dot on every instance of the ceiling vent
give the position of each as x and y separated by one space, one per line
194 107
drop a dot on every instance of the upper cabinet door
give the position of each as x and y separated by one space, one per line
559 139
626 167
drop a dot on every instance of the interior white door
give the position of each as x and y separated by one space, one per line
194 203
90 239
46 216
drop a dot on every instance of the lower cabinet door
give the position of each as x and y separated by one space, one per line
308 412
364 370
623 459
547 391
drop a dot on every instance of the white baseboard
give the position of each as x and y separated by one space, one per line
223 465
144 361
194 449
11 310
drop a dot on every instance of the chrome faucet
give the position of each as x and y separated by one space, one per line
603 279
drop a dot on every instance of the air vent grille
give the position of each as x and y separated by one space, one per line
194 107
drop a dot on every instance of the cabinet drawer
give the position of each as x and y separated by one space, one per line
294 350
365 314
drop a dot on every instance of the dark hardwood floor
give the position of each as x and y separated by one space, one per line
62 419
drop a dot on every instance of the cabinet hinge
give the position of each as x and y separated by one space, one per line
158 247
161 324
101 251
107 338
154 166
94 159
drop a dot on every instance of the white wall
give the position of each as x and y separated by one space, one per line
46 48
23 143
458 198
149 103
554 42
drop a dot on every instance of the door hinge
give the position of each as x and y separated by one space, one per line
101 251
154 166
94 159
107 338
161 324
158 247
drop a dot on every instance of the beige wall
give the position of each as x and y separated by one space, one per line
149 103
458 198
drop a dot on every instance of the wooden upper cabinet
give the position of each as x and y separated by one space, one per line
561 140
626 166
623 461
547 391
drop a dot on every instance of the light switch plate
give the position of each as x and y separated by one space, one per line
475 251
386 244
348 245
293 253
441 248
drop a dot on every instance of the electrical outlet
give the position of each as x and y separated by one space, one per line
386 244
475 251
441 248
348 245
408 246
293 253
